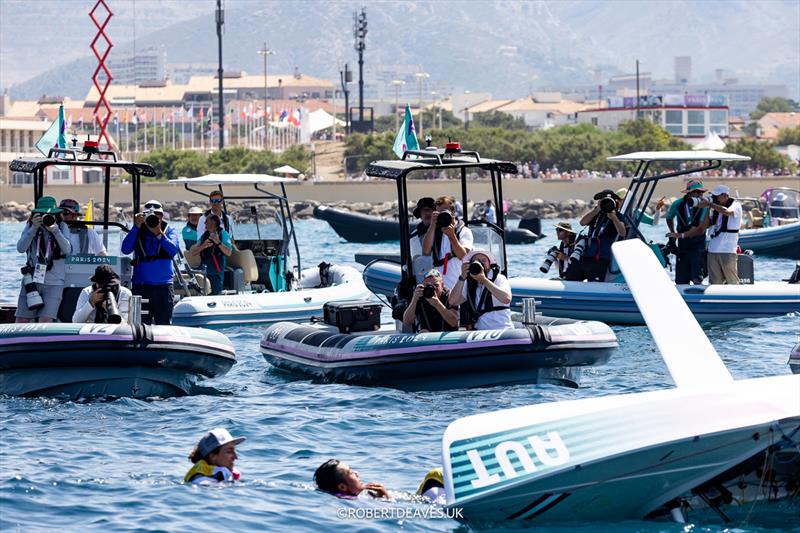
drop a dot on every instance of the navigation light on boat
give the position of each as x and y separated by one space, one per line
91 147
452 147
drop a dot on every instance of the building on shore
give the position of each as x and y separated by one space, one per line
770 125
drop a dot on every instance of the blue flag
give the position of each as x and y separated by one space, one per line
406 136
55 136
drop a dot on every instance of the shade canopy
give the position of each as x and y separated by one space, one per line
232 179
680 155
286 169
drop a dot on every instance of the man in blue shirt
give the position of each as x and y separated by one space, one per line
153 245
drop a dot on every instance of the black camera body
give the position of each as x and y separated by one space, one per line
48 220
475 268
444 219
428 291
607 204
152 220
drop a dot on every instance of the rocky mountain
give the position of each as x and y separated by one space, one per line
504 47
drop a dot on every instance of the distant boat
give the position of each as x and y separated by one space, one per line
772 223
357 227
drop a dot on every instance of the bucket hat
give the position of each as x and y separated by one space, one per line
47 205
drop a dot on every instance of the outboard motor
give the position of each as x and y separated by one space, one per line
795 277
534 225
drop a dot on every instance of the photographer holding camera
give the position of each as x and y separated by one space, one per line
605 226
486 292
214 248
45 243
428 309
153 244
561 253
688 241
84 240
724 221
447 240
105 301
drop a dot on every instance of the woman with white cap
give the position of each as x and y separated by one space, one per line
724 221
214 458
485 290
189 232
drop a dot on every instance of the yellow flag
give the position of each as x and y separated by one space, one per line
89 215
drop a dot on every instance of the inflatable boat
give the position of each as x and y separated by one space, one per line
75 361
304 302
358 227
613 303
780 241
794 359
550 351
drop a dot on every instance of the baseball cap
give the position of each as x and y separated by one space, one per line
155 205
721 189
214 439
72 205
195 211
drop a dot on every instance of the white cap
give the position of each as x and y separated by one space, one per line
721 189
214 439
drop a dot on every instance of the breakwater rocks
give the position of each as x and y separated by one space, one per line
539 208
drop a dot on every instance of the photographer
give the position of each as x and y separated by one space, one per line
424 212
428 309
45 243
214 248
153 244
560 254
105 301
84 240
724 221
486 292
605 226
688 241
447 240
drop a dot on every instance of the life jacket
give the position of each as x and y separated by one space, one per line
139 250
225 220
721 226
434 478
424 310
687 221
475 307
83 238
324 274
203 469
214 254
438 260
597 232
44 249
567 250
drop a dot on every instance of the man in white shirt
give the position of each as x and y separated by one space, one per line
484 296
724 221
92 305
489 212
215 204
84 240
447 243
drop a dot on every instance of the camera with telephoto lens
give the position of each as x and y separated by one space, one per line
151 219
48 220
428 290
577 252
443 219
552 255
475 268
32 297
112 310
607 204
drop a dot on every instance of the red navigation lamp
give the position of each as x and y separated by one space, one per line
452 147
91 147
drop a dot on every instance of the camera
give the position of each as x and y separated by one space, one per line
549 260
151 219
475 268
112 310
577 253
428 291
444 219
32 297
48 220
607 204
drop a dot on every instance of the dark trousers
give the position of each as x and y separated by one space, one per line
689 267
160 302
588 268
216 279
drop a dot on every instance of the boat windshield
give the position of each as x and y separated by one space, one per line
782 203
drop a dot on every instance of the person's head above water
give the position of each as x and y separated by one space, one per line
336 477
217 447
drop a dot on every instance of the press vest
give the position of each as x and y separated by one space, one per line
687 221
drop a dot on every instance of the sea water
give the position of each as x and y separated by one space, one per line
118 465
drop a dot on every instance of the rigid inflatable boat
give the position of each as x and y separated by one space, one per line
550 351
306 301
358 227
118 360
781 241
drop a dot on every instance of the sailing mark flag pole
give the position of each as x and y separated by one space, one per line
406 138
55 136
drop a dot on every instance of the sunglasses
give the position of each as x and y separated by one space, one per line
152 206
215 200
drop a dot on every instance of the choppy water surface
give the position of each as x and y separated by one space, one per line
117 465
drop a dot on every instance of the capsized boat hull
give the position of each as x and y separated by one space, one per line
266 307
611 458
89 360
779 241
613 303
551 352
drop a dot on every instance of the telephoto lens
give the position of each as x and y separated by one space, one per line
32 297
549 260
577 253
48 220
444 219
607 205
428 291
475 268
152 221
112 311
